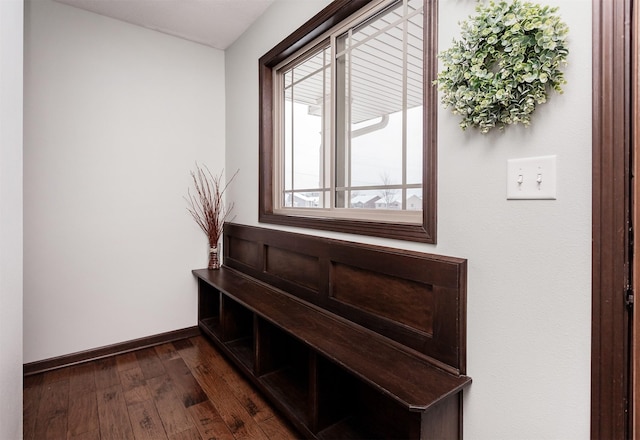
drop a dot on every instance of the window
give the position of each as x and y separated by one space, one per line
347 138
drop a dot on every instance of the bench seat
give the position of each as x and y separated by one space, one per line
407 378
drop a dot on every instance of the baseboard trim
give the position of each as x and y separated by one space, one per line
106 351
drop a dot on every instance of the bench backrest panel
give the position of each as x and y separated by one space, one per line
416 299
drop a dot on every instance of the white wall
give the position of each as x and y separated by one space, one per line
115 118
11 47
529 291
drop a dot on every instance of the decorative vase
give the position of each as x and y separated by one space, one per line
214 262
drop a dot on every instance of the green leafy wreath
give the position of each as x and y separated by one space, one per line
508 57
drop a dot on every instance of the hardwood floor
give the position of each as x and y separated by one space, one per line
185 390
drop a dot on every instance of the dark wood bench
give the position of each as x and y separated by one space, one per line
348 340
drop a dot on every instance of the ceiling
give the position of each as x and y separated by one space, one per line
215 23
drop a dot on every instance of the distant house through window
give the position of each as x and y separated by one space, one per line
348 124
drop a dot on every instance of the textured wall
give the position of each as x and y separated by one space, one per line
115 118
11 47
529 280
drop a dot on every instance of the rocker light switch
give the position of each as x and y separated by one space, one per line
533 178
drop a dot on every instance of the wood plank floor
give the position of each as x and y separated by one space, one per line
182 390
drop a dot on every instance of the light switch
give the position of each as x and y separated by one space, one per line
532 178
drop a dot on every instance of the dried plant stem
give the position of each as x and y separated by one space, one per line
207 206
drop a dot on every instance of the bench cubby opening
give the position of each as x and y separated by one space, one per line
208 309
283 368
236 323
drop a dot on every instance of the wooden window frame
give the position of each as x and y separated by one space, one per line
333 14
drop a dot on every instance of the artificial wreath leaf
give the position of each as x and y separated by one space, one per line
507 59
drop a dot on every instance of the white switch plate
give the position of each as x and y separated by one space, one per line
532 178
